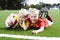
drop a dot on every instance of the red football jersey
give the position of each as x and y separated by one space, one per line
40 22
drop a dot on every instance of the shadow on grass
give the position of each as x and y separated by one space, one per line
13 29
18 28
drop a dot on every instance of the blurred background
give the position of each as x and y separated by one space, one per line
18 4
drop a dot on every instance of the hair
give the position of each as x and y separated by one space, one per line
33 11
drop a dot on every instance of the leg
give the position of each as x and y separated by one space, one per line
40 13
49 18
46 14
50 23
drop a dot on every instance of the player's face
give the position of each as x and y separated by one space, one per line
34 18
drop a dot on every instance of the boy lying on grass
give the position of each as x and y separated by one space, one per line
29 19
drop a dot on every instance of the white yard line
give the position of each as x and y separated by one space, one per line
29 37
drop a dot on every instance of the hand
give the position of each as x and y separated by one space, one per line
34 32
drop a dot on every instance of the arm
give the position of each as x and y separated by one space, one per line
40 25
24 26
39 30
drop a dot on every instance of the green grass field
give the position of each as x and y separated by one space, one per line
52 31
4 38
